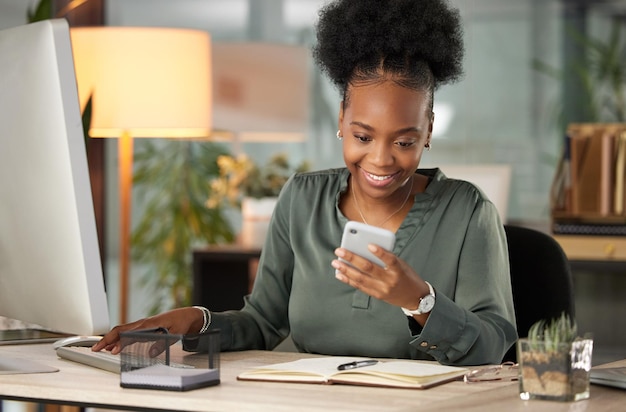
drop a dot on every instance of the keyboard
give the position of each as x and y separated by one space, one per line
101 360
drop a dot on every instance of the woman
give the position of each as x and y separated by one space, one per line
444 292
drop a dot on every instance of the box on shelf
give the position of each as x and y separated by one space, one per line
588 195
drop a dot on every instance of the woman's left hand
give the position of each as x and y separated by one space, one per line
396 283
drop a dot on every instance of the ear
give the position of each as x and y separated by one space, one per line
340 115
430 127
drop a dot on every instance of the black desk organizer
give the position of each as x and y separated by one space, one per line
146 362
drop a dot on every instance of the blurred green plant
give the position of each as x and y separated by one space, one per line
170 179
42 11
601 73
240 177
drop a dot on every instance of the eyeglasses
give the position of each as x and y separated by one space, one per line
507 371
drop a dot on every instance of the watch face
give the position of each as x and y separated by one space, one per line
426 304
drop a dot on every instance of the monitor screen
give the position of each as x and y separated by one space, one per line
50 268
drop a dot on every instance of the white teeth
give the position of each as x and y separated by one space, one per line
380 178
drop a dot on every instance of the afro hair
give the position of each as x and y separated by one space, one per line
358 38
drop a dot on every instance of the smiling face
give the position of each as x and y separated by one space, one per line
385 128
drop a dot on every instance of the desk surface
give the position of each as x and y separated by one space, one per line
81 385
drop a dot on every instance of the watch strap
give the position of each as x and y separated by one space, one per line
417 311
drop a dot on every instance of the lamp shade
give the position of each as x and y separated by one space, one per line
145 82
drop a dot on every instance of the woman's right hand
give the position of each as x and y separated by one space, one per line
177 321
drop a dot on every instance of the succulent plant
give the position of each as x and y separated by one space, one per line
547 335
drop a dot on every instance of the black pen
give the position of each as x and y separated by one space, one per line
357 364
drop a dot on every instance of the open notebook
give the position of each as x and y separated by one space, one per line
389 373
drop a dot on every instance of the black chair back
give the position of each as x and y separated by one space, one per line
541 279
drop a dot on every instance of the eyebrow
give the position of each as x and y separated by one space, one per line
400 131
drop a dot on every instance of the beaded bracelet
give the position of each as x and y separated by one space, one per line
206 318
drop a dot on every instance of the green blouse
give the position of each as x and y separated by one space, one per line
452 237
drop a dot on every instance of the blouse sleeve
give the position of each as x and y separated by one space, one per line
263 322
476 325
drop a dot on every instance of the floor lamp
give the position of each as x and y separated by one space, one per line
143 82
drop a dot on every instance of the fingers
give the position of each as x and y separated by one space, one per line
362 273
389 259
394 283
108 341
111 341
157 348
347 259
177 321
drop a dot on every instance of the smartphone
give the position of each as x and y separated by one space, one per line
357 235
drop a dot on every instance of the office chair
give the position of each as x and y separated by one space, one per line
541 279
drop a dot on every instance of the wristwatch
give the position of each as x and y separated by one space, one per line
426 304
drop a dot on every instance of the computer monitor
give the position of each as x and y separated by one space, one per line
50 268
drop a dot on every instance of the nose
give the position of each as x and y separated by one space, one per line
381 155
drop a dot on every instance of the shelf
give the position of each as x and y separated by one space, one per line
593 248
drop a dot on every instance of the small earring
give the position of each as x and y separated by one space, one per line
427 146
339 136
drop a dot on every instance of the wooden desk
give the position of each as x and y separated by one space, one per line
76 384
